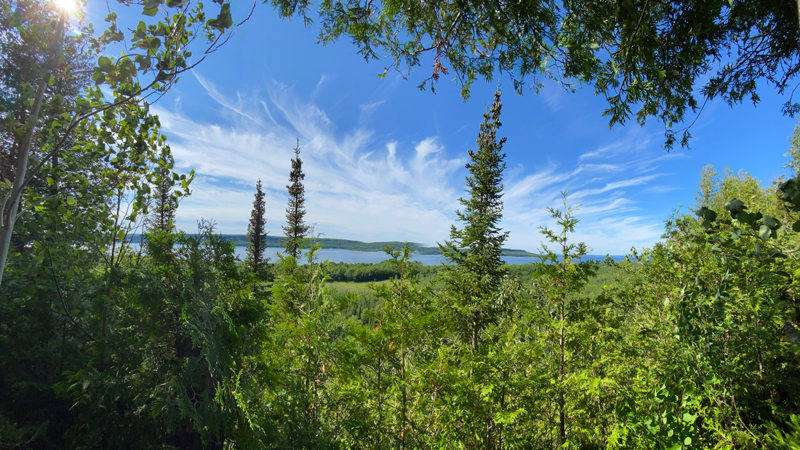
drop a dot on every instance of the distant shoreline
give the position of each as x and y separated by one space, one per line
358 246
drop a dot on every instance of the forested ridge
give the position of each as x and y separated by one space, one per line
347 244
177 344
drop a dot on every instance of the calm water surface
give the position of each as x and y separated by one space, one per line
350 256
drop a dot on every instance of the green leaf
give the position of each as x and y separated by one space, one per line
757 249
162 29
734 206
744 217
154 44
52 80
771 222
764 232
687 441
223 20
98 77
707 214
70 200
105 63
736 233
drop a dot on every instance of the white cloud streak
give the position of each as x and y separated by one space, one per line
355 187
360 187
607 186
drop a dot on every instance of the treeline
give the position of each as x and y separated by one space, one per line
363 272
386 270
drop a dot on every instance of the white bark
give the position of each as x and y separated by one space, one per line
10 207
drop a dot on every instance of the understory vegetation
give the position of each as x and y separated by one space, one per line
176 344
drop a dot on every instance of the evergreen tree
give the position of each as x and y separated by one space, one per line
162 218
557 281
256 236
473 278
472 301
296 229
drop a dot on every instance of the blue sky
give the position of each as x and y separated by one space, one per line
385 161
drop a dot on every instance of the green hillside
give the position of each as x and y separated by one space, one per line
346 244
358 246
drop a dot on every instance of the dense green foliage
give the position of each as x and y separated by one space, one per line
690 344
693 343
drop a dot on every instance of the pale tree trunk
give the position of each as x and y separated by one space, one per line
10 207
11 202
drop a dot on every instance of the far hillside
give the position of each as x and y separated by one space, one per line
358 246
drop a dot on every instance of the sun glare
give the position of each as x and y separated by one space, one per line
67 6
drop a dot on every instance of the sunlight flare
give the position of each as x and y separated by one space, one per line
69 7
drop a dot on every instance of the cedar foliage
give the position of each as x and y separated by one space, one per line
295 229
256 235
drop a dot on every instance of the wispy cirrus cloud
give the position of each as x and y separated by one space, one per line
635 140
607 185
355 187
361 186
661 189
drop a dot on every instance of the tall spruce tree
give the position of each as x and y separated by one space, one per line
473 277
295 230
256 236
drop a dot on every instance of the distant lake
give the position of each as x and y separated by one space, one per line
349 256
338 255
